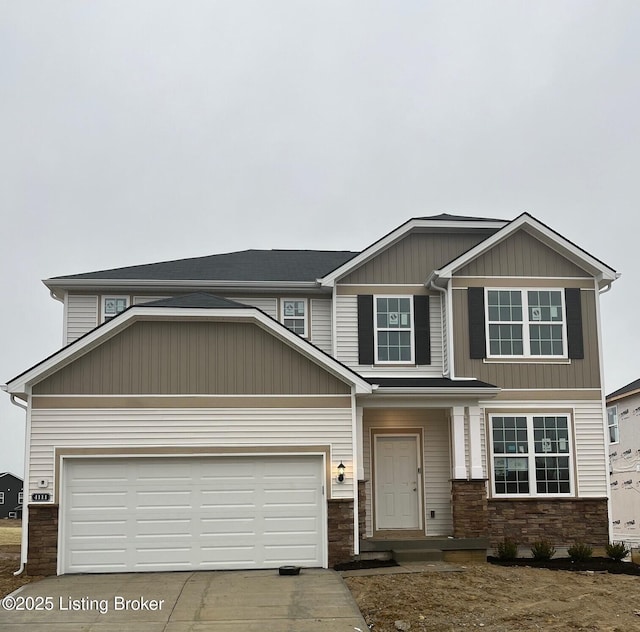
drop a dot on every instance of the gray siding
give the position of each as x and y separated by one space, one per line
192 358
522 255
521 374
412 259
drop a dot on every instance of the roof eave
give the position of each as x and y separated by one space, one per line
177 285
439 392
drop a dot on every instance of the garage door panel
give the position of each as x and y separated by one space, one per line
211 512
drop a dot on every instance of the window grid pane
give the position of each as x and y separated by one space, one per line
394 329
547 439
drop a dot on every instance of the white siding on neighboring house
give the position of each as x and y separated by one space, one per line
625 471
82 315
268 305
321 323
347 339
210 427
436 466
445 335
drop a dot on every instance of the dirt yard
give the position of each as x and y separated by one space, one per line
499 599
482 596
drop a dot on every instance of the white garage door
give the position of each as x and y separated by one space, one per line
192 513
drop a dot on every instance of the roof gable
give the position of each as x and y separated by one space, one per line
522 254
604 274
22 384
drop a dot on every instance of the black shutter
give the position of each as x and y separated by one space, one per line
477 335
573 305
422 329
365 329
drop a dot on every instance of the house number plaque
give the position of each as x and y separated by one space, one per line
41 496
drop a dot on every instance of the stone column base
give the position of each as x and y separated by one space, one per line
340 529
42 555
469 503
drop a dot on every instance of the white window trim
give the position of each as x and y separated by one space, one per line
1 498
617 425
531 455
20 498
526 342
411 330
104 300
305 318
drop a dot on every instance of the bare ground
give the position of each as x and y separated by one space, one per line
482 596
499 599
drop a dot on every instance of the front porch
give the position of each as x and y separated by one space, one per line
422 486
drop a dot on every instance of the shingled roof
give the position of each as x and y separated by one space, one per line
629 388
245 265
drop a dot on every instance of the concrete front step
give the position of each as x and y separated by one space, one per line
435 543
417 555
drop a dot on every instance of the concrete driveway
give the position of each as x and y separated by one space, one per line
226 601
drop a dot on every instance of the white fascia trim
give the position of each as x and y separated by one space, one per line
133 314
140 284
395 235
605 274
473 393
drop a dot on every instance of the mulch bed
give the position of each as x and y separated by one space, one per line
363 564
595 564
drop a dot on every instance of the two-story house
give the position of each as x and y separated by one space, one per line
10 495
442 387
623 419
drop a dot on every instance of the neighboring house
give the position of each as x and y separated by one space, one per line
10 495
441 388
623 415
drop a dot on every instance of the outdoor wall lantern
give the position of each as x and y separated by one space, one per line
341 469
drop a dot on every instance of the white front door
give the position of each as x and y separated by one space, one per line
397 482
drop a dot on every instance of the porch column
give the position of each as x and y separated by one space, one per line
457 439
475 454
359 445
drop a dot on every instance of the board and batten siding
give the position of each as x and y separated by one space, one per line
414 257
190 428
523 374
436 466
321 323
81 316
590 458
199 358
347 338
521 254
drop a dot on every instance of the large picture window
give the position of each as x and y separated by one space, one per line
531 455
526 323
394 329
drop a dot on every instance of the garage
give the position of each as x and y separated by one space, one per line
192 513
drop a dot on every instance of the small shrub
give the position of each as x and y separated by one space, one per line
580 552
542 550
617 550
507 550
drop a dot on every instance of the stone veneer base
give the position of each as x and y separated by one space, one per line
340 528
42 554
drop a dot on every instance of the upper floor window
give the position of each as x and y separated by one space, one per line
1 498
113 305
531 455
526 323
294 315
20 497
394 329
612 421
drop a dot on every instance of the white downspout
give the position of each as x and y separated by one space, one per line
25 485
444 322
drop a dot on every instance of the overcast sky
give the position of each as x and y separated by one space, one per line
134 132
